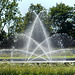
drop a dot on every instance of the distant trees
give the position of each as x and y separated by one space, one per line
30 15
24 22
36 8
59 19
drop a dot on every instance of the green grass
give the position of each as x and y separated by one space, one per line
11 57
63 56
37 69
34 57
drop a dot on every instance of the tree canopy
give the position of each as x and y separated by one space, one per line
61 17
36 8
8 12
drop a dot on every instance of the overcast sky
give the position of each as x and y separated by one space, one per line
24 5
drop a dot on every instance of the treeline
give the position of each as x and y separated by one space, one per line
59 19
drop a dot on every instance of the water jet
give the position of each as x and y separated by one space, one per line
37 47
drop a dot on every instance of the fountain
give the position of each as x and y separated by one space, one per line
37 46
37 43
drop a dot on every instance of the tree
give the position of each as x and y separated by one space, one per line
59 15
19 26
8 12
22 23
72 21
36 8
30 15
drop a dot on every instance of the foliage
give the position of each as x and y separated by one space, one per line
28 19
41 11
36 8
37 69
19 26
59 15
8 11
30 16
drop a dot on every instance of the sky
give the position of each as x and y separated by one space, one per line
24 4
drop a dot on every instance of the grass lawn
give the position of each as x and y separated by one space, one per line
34 57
